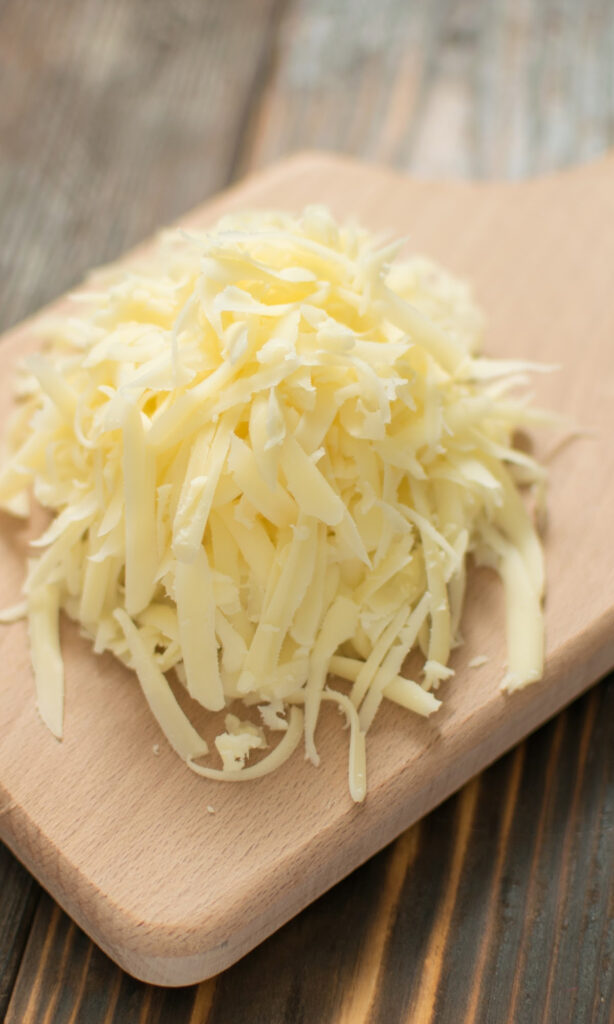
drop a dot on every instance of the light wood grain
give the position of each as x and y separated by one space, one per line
540 854
486 87
175 895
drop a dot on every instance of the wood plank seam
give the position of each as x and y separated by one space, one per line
74 1016
509 806
203 1002
363 986
36 987
20 941
598 998
262 75
551 775
585 738
423 1006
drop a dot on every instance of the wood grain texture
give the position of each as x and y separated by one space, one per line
501 87
112 101
132 874
453 88
519 918
18 898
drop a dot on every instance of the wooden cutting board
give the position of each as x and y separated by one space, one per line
121 837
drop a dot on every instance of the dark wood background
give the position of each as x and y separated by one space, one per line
115 117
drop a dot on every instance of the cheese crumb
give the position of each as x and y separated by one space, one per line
269 450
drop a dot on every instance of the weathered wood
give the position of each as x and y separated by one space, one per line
125 855
97 115
496 907
65 978
116 117
131 873
18 897
505 89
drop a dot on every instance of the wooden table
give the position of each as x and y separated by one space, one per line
116 117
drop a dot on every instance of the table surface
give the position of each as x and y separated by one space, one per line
118 116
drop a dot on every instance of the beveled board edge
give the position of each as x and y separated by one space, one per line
128 941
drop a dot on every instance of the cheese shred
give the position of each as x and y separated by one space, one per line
269 450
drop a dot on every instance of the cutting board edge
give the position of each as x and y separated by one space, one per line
146 964
302 162
603 162
145 949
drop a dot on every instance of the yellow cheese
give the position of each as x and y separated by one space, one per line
177 728
357 761
44 629
14 613
139 512
339 624
268 452
312 491
235 744
284 749
197 636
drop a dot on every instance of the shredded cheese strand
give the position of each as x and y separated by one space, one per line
44 629
284 750
175 725
268 452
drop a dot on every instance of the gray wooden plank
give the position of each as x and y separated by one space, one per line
473 88
115 118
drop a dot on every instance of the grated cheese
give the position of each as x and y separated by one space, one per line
270 452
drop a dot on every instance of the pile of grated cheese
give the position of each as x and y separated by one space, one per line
269 450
